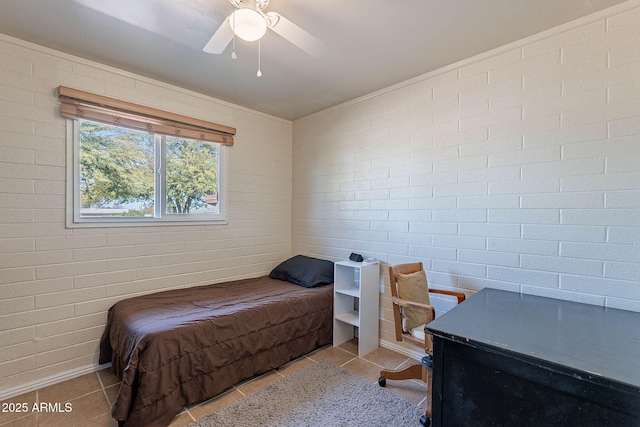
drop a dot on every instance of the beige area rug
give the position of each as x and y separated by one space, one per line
321 394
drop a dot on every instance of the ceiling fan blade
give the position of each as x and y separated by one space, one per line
220 39
296 35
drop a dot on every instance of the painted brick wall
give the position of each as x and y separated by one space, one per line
518 169
56 283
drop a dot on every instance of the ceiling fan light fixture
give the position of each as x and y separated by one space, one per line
248 24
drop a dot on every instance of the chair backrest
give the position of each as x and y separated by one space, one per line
394 270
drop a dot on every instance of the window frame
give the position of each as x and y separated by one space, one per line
75 220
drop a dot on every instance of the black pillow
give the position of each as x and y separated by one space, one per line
304 271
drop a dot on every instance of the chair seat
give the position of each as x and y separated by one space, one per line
418 332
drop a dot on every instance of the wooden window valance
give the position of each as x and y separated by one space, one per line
77 104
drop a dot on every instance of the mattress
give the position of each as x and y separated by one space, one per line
180 347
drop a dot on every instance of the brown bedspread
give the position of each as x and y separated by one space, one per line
180 347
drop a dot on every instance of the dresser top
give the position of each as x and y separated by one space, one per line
601 342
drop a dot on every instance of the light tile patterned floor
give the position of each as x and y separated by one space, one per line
91 396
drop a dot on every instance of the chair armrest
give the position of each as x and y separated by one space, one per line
459 295
431 312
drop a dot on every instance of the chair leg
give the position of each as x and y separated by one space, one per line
421 371
412 372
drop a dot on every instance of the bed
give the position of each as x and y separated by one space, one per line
180 347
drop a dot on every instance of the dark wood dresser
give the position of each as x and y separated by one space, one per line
509 359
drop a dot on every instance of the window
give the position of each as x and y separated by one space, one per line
124 174
132 174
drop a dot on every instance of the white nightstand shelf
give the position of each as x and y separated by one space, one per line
352 318
351 291
356 302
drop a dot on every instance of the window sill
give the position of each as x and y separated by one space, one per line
119 223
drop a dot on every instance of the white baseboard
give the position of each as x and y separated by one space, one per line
393 345
10 392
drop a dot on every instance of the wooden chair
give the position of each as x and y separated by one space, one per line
419 370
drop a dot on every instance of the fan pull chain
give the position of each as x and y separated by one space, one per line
233 29
259 73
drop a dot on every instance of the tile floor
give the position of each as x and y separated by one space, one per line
91 395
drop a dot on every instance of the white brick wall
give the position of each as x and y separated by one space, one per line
56 283
519 170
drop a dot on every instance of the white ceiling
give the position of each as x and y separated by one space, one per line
371 44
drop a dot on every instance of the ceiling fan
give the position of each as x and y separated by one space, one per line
251 23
